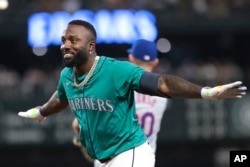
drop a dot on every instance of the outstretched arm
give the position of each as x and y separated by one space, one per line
52 106
176 87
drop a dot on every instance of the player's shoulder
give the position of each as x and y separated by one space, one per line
108 59
116 62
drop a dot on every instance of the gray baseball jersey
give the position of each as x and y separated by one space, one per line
149 111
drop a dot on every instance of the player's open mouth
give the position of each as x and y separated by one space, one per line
67 56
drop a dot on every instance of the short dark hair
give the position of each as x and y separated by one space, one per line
86 24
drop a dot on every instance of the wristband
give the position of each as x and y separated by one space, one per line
206 92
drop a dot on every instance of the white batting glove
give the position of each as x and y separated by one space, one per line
231 90
33 113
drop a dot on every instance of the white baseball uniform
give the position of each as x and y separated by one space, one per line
149 111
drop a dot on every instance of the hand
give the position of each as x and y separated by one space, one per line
232 90
33 113
76 141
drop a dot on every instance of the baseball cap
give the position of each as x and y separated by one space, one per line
144 50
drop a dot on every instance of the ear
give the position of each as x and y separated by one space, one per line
131 58
156 62
92 45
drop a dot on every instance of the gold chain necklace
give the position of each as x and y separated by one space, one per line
91 71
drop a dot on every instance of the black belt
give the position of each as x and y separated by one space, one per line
105 160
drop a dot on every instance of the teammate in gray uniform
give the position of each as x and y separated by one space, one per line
100 93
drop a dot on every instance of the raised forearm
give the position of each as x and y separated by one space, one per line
53 106
176 87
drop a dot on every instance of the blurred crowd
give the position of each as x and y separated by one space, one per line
210 8
173 8
37 82
33 83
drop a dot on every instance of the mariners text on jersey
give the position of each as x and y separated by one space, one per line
91 104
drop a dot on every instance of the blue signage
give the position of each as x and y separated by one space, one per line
118 26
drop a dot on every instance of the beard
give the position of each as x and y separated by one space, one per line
76 60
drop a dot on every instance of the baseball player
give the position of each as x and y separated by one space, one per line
149 109
100 92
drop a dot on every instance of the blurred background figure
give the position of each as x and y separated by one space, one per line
149 109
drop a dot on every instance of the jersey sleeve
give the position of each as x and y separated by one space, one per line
128 75
149 84
61 94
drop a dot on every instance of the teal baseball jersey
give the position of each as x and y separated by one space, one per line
105 107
